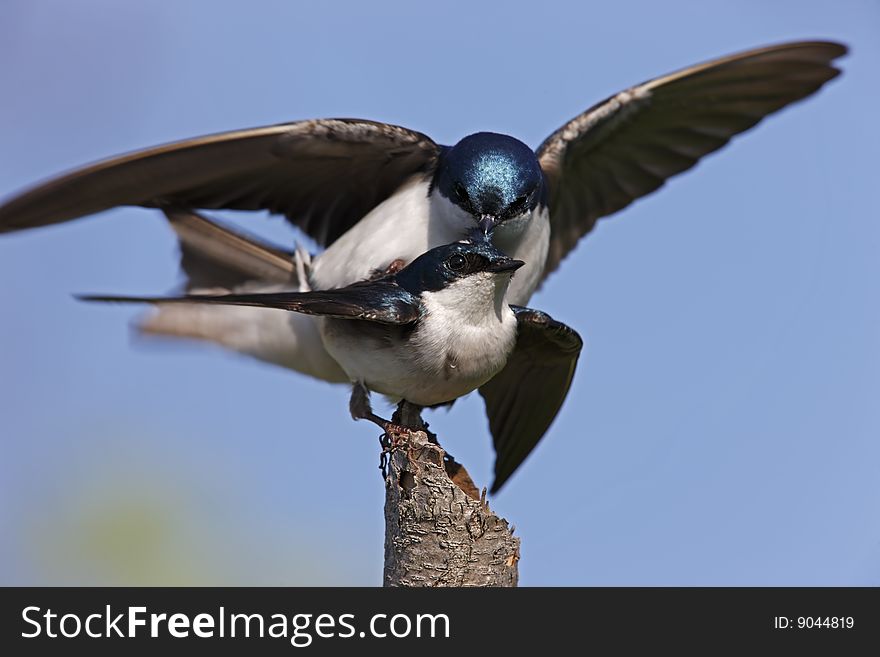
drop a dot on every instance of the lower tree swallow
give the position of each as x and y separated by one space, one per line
434 331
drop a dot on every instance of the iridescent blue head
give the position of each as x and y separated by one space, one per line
444 265
492 177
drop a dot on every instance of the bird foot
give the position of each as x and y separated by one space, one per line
393 437
394 430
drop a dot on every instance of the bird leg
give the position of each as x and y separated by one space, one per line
410 415
360 409
407 417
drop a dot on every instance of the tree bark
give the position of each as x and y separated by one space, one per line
439 530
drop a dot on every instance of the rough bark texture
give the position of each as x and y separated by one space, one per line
436 533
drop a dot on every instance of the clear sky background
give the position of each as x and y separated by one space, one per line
724 424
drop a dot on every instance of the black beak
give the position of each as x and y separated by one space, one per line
504 264
487 223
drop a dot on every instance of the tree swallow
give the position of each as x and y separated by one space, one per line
376 196
432 332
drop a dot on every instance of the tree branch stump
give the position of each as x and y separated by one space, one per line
439 530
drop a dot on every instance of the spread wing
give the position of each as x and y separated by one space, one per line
628 145
383 302
324 175
523 399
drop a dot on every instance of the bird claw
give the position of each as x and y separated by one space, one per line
394 431
389 441
392 438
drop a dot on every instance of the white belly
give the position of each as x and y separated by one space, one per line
463 340
527 242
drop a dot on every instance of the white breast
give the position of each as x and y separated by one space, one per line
463 340
525 238
468 332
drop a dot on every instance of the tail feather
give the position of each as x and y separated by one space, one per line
213 255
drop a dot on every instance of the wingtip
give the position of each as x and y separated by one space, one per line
842 48
105 298
829 51
11 221
88 298
833 48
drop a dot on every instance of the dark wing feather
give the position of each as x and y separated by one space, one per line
382 302
213 255
324 175
628 145
523 399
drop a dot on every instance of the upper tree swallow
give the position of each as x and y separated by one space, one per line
435 331
376 196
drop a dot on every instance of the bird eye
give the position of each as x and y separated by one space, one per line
456 263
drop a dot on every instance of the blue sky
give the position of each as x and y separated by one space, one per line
723 427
